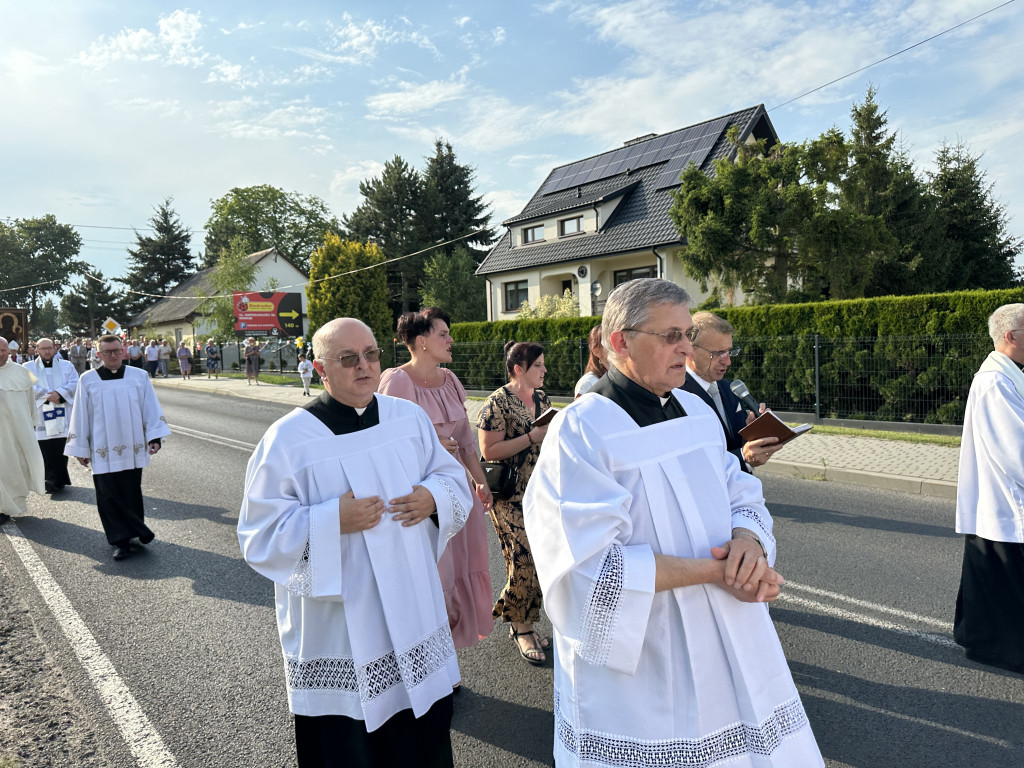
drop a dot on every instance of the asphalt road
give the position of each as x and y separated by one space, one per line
189 628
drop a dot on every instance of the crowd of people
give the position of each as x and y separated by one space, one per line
632 518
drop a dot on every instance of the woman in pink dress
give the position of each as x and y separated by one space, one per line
464 568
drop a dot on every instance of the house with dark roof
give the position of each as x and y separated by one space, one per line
598 222
178 314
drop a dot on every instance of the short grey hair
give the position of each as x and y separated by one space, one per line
629 305
709 321
1008 317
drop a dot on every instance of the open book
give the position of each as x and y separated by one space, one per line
545 417
770 425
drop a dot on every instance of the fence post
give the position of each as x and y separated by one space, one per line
817 379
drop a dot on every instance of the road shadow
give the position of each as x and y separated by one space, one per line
816 515
515 728
211 574
880 724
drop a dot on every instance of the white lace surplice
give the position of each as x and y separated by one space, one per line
361 616
113 421
689 676
61 378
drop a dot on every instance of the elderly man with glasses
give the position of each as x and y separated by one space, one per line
713 352
349 502
655 555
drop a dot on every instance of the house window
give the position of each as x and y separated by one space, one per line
515 294
621 276
533 234
571 226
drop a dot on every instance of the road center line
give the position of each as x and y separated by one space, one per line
862 618
227 442
141 737
937 623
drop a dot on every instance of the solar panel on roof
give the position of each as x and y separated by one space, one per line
678 149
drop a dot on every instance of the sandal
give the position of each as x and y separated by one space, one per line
525 652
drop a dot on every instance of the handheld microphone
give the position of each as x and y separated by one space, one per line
740 390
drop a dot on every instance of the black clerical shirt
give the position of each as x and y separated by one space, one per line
108 375
342 419
642 405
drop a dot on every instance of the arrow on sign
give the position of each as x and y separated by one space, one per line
293 314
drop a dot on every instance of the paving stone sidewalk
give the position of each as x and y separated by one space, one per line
895 465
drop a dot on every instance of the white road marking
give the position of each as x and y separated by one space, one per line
141 737
839 698
828 609
937 623
211 438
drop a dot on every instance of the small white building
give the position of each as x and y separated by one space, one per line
176 316
598 222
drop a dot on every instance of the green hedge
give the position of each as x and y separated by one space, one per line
907 358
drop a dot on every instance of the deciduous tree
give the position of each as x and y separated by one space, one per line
265 216
360 292
233 272
37 256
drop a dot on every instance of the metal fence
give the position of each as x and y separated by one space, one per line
912 379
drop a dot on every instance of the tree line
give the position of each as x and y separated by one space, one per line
843 217
834 217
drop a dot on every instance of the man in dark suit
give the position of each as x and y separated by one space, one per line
705 373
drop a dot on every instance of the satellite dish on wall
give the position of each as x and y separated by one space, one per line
596 288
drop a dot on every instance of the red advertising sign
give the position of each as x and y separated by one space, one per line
268 314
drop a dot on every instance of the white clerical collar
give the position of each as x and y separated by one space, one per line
699 379
361 411
664 400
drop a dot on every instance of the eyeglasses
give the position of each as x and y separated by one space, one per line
671 338
111 352
722 352
351 361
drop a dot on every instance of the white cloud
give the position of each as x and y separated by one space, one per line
462 21
411 98
344 185
23 67
174 43
178 32
126 45
227 73
498 35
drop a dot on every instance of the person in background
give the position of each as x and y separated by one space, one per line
212 359
655 554
989 618
305 369
464 569
21 463
164 358
116 425
713 352
184 356
348 504
94 359
252 352
152 352
54 390
507 434
78 354
134 352
596 366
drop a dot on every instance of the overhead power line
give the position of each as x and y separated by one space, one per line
893 55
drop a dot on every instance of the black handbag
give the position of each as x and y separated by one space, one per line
503 477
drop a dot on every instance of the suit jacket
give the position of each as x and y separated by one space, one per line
737 414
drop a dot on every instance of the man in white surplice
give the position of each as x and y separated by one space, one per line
989 618
116 425
655 554
54 393
349 502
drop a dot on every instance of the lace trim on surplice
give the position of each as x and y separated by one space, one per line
300 582
410 667
602 607
459 512
617 751
764 531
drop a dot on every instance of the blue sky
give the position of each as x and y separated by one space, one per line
109 107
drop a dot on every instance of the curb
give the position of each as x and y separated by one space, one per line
942 489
